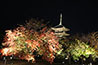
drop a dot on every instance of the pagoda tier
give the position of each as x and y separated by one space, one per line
60 30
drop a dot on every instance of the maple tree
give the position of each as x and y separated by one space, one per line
27 43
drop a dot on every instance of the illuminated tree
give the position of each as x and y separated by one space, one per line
27 42
78 49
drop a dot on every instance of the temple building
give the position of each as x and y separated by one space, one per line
60 30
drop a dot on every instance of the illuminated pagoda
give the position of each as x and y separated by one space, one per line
60 30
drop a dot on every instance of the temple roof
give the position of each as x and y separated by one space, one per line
60 27
60 30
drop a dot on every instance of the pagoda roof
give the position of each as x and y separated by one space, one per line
60 28
61 34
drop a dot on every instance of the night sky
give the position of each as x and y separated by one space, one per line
81 16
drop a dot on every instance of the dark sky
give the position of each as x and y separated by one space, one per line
81 16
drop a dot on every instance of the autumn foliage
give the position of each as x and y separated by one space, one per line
27 42
35 38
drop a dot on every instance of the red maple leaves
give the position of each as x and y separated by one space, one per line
23 43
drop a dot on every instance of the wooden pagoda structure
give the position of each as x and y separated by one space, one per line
60 30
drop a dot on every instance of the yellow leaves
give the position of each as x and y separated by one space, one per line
96 46
59 52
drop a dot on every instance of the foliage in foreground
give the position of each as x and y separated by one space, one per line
26 43
35 38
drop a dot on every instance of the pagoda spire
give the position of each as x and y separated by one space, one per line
60 19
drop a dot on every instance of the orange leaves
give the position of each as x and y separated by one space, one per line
49 45
44 29
42 35
50 48
22 28
29 57
33 44
94 40
28 41
5 51
23 42
36 43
